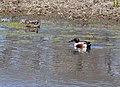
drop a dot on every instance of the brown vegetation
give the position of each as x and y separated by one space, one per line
70 9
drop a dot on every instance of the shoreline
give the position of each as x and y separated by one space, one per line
73 10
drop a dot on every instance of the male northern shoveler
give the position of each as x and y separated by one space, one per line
32 24
81 46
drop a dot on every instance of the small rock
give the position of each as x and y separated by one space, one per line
5 19
46 39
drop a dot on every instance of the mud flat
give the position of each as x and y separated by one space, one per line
80 10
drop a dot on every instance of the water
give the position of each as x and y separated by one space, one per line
46 59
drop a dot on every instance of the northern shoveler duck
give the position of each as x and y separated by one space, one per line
81 46
32 24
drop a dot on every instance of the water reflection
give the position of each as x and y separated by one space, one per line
96 65
40 61
108 62
81 67
28 29
83 50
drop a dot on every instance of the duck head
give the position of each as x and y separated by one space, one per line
75 40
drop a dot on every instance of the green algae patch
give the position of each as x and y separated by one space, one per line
0 21
115 27
109 44
69 36
57 39
17 32
115 36
16 42
45 35
48 24
17 25
116 49
26 41
3 32
90 40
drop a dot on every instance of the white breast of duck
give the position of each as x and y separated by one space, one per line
80 45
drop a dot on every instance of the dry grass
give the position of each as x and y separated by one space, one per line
70 9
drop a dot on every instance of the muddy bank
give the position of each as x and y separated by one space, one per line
81 10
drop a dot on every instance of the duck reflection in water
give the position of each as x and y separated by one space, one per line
81 46
28 29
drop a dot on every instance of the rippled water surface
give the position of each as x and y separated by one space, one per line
47 59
